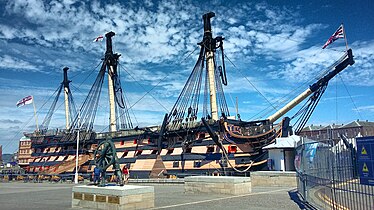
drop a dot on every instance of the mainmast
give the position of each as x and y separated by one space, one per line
66 96
210 45
206 75
111 60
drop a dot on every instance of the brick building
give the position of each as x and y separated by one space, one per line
350 130
24 152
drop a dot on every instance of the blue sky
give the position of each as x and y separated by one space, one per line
276 45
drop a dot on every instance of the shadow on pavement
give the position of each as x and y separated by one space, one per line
297 199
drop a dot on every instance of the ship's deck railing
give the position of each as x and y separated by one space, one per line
119 134
124 133
51 132
38 137
187 125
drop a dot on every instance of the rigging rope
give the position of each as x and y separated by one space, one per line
148 92
233 167
291 94
250 82
308 108
48 117
89 107
350 96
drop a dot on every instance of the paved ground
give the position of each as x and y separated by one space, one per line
17 195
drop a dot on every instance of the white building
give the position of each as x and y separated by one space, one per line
282 153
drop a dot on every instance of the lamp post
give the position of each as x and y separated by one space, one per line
76 154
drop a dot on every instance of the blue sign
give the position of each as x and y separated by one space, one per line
365 159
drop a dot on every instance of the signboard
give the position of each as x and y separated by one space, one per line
365 159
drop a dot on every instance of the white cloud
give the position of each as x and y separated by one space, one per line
361 73
308 64
7 62
7 32
369 108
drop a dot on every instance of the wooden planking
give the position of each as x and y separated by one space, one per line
199 149
147 152
119 154
187 165
70 157
131 154
163 152
177 151
60 158
143 164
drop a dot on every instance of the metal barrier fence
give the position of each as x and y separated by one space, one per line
328 176
9 177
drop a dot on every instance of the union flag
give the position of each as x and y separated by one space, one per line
338 34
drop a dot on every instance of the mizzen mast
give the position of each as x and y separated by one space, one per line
66 96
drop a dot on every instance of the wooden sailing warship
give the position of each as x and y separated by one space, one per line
192 139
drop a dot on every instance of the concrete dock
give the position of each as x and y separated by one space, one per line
19 195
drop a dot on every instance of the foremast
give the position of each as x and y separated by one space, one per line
70 109
119 117
112 61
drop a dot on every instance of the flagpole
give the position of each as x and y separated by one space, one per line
76 181
36 117
345 38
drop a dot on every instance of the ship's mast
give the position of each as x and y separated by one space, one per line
66 96
209 44
207 75
111 60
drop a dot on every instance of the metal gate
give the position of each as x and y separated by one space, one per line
328 176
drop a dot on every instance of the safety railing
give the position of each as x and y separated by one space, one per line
328 176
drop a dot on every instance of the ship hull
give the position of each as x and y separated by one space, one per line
182 152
